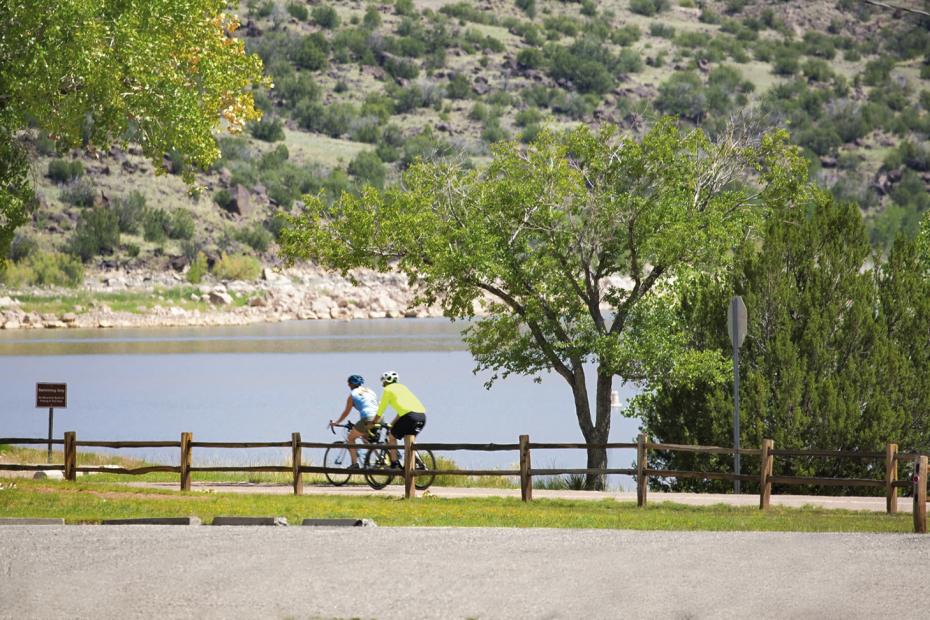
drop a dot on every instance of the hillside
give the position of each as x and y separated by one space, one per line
361 89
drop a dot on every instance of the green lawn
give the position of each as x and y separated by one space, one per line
91 502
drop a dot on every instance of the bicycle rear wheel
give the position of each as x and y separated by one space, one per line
424 460
378 458
337 457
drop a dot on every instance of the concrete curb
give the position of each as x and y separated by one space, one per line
15 521
249 521
340 522
154 521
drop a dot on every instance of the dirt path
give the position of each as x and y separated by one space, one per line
876 504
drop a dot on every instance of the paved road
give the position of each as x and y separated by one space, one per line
693 499
298 573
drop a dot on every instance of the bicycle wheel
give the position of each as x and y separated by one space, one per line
424 460
378 458
337 457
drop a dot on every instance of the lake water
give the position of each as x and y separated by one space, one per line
263 382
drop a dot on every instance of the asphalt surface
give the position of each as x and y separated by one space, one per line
231 573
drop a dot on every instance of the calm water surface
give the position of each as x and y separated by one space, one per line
263 382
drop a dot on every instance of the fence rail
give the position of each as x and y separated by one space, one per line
526 472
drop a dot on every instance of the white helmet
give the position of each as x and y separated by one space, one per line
389 377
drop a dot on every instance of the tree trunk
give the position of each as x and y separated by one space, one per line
597 432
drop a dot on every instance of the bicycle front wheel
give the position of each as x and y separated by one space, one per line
378 458
337 457
424 460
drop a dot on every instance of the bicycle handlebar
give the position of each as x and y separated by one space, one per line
350 426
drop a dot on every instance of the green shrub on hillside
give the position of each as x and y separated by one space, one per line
274 159
45 146
368 168
468 12
683 94
222 197
155 225
326 17
159 225
378 105
81 194
97 232
20 248
493 132
663 30
404 7
372 18
626 36
878 71
299 11
268 131
198 269
366 130
313 53
528 7
255 236
129 210
62 171
529 116
787 61
182 224
539 96
235 148
648 7
237 267
41 269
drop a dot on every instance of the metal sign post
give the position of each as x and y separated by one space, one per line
736 327
51 395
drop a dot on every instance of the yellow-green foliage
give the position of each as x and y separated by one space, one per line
237 267
41 269
198 269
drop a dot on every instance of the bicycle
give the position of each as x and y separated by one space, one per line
338 457
378 464
377 457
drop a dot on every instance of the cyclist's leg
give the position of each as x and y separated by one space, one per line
351 441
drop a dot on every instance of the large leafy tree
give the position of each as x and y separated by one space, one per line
836 356
549 232
95 73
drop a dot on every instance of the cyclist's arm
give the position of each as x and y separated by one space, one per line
386 400
344 413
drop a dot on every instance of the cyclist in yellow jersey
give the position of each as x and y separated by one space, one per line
411 414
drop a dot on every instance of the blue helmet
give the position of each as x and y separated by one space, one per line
355 381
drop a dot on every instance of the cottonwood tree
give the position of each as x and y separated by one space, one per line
95 73
548 231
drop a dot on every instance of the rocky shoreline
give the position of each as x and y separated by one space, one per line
300 293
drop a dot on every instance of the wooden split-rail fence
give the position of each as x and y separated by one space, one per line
891 456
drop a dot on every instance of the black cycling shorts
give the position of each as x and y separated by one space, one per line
409 424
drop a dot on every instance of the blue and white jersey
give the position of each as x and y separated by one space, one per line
366 401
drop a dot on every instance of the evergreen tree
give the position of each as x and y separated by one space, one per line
835 356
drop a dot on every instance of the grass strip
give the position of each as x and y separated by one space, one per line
88 503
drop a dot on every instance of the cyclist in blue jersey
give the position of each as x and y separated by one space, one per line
366 402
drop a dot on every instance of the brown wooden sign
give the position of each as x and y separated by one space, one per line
51 395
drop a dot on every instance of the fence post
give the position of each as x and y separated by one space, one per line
765 469
891 476
70 456
920 495
526 481
409 459
296 460
641 485
186 439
